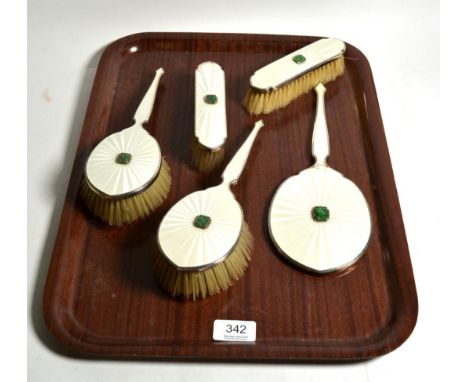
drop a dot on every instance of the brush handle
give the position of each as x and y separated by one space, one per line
320 140
234 168
143 112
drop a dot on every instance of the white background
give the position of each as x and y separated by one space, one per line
401 40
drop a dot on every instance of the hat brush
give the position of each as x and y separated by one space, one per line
319 219
277 84
204 244
210 117
125 176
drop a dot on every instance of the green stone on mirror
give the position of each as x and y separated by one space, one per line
320 214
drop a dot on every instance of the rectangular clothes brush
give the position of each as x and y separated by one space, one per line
275 85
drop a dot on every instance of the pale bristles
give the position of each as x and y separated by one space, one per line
126 210
206 160
208 282
257 102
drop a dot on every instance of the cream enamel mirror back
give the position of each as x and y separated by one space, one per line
321 246
319 219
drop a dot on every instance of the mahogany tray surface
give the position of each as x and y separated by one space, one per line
101 298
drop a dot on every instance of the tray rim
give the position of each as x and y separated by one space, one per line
402 325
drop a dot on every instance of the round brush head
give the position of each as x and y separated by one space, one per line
125 177
119 211
210 281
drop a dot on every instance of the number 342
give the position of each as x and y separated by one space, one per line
240 329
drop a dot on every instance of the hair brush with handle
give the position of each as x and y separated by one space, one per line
204 243
126 177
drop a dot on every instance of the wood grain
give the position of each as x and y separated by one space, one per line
101 298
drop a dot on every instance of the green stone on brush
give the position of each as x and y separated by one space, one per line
320 213
123 158
211 99
202 221
299 59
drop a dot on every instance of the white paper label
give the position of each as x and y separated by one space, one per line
232 330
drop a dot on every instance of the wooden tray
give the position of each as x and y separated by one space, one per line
101 299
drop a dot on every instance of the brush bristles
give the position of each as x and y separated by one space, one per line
257 102
127 210
208 282
206 160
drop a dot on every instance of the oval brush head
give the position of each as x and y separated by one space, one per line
204 244
277 84
119 211
208 282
